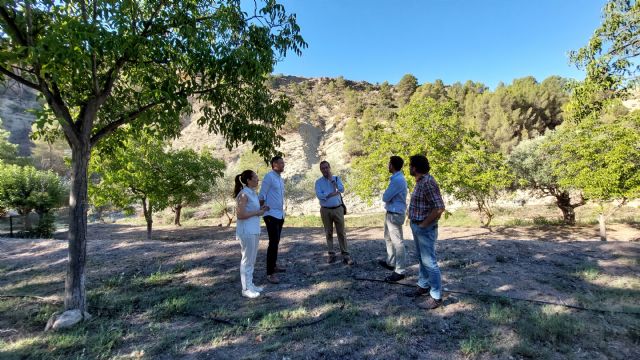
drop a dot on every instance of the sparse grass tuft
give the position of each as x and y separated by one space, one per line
170 308
280 318
475 345
549 325
398 326
587 272
541 220
502 315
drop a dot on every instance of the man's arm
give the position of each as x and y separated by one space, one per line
392 190
319 193
432 192
339 185
433 215
264 189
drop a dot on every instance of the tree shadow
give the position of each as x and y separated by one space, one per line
179 297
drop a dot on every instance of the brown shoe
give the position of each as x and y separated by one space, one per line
331 258
394 277
347 260
418 291
273 279
384 264
430 304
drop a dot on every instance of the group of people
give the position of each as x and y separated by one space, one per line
425 208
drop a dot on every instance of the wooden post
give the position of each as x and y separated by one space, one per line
10 226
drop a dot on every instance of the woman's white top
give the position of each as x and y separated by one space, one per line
250 226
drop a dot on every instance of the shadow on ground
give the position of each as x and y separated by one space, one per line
178 296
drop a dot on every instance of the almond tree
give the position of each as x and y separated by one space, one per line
102 64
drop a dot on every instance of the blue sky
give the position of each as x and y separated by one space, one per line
453 40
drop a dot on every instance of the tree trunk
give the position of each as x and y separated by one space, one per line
75 297
603 227
26 220
229 217
563 200
148 216
178 211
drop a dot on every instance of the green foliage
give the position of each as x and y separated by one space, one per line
353 103
46 225
222 196
143 170
115 64
608 59
534 164
523 110
405 88
139 63
436 91
353 138
8 151
300 189
477 175
602 159
385 96
531 161
462 163
291 124
27 189
250 160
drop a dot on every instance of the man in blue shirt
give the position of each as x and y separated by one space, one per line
328 190
272 195
395 202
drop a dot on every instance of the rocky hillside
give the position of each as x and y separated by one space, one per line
313 131
314 128
15 103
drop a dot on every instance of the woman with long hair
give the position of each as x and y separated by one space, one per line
248 211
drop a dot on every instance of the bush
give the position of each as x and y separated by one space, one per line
46 226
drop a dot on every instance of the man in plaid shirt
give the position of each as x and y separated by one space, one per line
425 209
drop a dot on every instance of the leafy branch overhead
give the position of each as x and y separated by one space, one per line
101 65
129 61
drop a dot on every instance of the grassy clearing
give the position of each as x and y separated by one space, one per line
168 325
151 310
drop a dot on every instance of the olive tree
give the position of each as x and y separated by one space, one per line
532 162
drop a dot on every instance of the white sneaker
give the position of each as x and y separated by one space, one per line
251 294
256 288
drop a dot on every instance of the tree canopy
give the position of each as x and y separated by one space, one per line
608 60
102 64
143 170
462 162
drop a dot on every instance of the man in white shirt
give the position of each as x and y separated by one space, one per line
272 195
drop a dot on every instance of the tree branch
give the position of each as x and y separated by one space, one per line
55 101
13 27
112 126
18 78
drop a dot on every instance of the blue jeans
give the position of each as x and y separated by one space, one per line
425 239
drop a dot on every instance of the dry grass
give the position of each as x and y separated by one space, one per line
165 298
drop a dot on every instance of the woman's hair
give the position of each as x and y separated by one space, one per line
241 181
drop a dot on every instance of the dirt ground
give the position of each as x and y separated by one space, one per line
564 265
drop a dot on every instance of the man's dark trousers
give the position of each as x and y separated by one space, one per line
274 229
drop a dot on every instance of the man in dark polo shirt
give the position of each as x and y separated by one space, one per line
425 209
